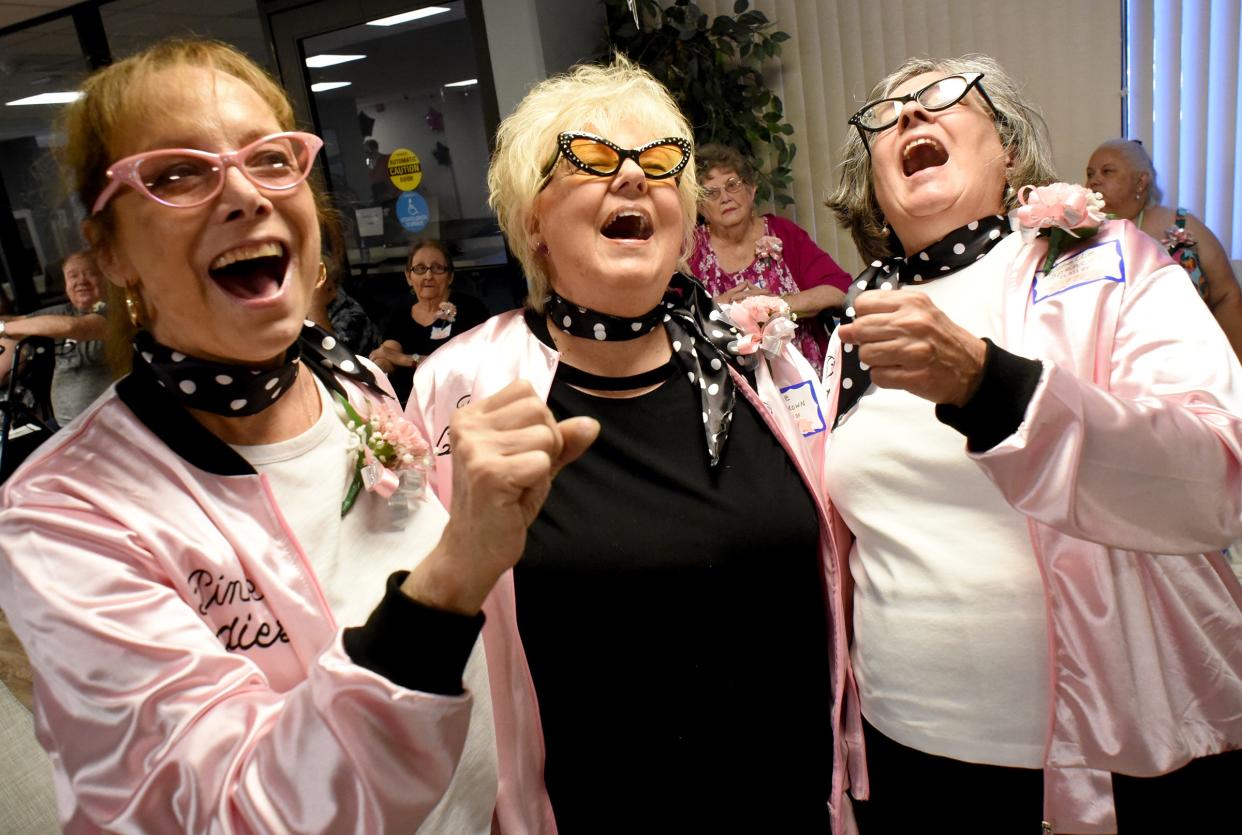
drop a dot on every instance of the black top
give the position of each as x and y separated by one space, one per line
674 620
351 324
995 410
423 339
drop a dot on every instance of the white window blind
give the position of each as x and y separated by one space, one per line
1182 81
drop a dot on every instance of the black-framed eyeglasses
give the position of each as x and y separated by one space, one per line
423 269
731 186
593 154
941 94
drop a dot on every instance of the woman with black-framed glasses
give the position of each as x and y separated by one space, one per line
671 644
1033 468
437 314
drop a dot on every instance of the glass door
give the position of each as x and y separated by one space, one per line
402 96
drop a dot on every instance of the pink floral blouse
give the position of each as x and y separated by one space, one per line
786 261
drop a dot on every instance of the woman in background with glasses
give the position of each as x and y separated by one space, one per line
230 635
435 315
1034 466
671 644
738 253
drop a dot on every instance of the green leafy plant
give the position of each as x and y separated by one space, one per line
714 71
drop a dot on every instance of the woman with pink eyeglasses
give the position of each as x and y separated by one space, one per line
244 612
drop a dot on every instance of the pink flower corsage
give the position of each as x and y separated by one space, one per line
385 447
447 311
1176 237
768 248
1063 212
765 322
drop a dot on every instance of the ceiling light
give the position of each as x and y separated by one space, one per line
328 85
50 98
331 60
469 82
406 17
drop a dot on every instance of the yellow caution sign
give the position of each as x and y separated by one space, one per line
404 169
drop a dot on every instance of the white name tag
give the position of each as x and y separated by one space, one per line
802 401
442 332
1098 262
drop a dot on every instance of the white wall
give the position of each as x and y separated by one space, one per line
531 39
1066 53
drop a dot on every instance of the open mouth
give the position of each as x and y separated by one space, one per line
628 225
922 154
253 271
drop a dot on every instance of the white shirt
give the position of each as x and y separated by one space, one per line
352 557
950 628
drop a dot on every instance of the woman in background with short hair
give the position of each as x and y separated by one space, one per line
1122 171
437 314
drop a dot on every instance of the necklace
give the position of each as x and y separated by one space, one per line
704 346
585 379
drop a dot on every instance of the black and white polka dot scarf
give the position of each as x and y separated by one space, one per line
703 344
960 248
238 390
585 323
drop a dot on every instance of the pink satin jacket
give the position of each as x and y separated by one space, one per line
189 676
1128 467
481 363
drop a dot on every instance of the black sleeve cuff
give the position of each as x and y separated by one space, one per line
412 645
995 411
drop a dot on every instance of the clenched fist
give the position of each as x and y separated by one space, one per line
911 345
507 449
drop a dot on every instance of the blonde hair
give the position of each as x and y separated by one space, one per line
115 99
587 97
1023 136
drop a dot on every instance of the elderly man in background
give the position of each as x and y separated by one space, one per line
77 325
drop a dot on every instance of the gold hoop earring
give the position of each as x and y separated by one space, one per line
133 308
323 272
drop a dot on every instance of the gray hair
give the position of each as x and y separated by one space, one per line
1136 155
1023 135
715 155
588 96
